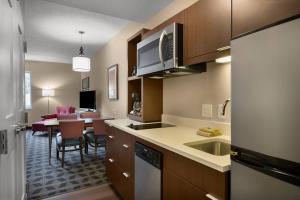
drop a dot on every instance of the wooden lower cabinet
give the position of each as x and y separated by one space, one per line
121 183
182 177
120 161
177 188
199 179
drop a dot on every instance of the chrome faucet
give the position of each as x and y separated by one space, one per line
224 106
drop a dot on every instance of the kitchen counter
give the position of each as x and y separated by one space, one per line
173 139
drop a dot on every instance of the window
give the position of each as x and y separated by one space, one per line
28 90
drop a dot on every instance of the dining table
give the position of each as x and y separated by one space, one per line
53 124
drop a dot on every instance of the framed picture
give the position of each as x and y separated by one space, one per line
112 73
85 83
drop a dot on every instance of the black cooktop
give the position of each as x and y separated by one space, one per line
149 126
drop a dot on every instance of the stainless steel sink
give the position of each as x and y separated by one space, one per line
214 147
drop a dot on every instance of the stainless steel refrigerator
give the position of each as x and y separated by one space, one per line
265 163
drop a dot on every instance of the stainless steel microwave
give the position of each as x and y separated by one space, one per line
161 51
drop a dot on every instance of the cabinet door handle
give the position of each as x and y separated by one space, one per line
111 137
223 48
125 146
111 160
211 197
126 175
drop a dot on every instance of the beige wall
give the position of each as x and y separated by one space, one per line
57 76
211 87
184 96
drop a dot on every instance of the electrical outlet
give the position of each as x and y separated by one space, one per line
220 110
207 110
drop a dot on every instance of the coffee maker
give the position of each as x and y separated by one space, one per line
136 106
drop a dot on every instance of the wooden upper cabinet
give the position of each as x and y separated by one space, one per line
207 27
251 15
178 18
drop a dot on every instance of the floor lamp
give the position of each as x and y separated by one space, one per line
48 93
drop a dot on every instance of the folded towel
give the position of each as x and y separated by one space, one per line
209 132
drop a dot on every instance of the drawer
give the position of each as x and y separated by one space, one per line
112 140
121 180
111 169
126 153
126 187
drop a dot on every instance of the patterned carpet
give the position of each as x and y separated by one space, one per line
48 180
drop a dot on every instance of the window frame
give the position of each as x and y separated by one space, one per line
28 107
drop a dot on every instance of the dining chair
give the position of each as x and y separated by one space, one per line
89 115
70 136
96 136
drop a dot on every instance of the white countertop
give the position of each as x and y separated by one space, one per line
173 139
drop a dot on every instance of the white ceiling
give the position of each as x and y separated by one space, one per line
133 10
51 29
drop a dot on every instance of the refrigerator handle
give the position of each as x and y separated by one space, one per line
281 174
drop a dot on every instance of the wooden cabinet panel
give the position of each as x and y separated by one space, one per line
176 188
111 171
122 184
207 27
178 18
126 153
210 180
152 97
112 143
252 15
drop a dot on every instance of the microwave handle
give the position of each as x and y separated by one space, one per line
163 34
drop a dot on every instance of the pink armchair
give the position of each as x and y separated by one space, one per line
65 110
60 110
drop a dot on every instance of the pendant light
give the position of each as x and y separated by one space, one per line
81 63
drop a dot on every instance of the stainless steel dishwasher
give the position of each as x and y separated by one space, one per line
148 165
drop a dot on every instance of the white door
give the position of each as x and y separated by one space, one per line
12 165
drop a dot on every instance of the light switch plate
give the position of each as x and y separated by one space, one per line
207 110
3 142
220 110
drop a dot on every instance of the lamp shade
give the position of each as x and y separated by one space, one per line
81 64
48 92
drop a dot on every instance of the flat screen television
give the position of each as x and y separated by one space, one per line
88 99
